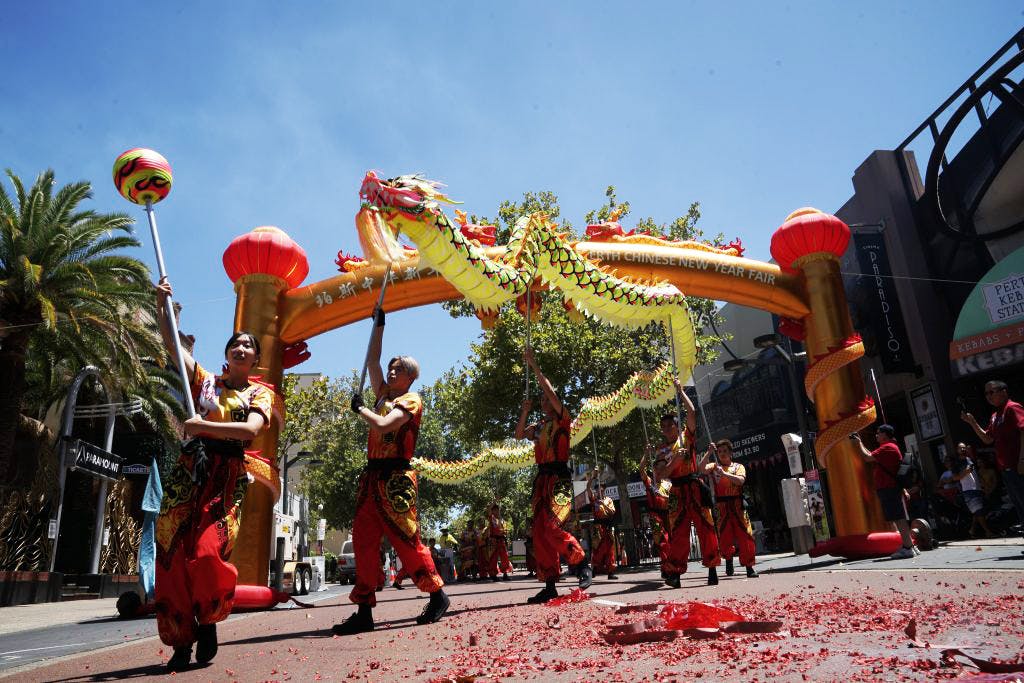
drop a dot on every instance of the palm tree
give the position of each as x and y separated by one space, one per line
67 299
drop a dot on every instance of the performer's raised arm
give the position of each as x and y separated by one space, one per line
544 382
373 353
163 292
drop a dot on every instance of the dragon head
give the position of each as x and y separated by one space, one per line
406 192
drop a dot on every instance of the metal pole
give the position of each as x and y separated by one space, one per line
380 303
529 304
878 396
285 505
675 375
798 405
101 503
643 425
67 423
178 355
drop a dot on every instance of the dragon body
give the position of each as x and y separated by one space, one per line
536 255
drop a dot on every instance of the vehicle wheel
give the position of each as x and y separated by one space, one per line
306 580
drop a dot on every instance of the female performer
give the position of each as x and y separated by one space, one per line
552 489
201 509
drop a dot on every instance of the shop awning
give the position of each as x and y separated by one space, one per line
989 332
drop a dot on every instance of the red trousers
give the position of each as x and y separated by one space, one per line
604 549
195 533
498 557
685 508
734 531
386 506
552 503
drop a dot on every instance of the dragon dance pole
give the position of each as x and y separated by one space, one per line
380 302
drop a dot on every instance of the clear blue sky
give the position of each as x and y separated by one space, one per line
271 112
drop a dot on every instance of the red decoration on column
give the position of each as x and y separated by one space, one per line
269 251
808 231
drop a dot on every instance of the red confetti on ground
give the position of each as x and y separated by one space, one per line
575 595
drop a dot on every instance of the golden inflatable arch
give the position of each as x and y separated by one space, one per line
610 275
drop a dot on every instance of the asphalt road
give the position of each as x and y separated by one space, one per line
841 620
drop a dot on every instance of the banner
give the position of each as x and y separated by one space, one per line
881 321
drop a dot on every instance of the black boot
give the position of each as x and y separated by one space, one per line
398 586
495 578
547 593
612 577
751 574
435 608
712 576
360 621
729 569
206 643
672 580
180 660
505 577
585 575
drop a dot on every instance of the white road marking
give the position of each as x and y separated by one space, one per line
610 603
57 647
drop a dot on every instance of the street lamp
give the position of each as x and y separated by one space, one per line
286 503
787 358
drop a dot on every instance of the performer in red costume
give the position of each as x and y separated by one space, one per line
605 547
483 555
552 489
201 509
734 530
467 553
386 497
689 501
498 550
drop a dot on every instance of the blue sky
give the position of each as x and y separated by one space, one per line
271 112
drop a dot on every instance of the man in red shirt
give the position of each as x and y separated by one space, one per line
886 459
1004 429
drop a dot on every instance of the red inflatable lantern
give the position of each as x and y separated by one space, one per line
269 251
808 231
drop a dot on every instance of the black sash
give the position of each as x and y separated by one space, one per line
387 464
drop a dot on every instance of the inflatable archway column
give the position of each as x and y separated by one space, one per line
811 242
267 268
263 264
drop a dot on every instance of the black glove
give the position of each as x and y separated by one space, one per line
357 403
200 460
378 317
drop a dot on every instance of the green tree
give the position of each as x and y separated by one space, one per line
582 359
66 288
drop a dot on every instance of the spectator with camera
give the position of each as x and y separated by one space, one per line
888 460
1004 428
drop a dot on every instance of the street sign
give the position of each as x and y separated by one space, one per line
94 460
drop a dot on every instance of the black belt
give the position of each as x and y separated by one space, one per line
387 464
607 521
559 468
679 481
724 498
226 448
